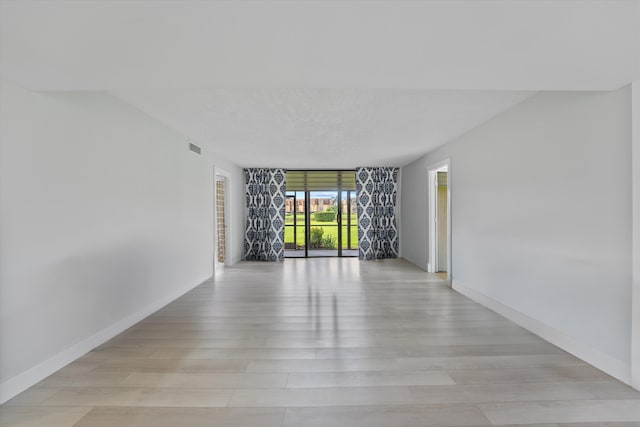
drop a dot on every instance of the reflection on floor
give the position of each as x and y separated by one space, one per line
291 253
325 342
443 275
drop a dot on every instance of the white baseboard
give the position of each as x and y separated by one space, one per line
602 361
19 383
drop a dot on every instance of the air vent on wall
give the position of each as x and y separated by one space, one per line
193 147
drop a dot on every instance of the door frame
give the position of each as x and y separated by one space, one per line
432 201
635 224
226 177
339 190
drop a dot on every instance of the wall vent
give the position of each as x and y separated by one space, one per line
193 147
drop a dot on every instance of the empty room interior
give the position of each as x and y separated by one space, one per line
320 213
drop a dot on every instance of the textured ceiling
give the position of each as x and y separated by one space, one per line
378 82
314 128
462 44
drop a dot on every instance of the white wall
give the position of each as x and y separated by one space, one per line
541 218
105 217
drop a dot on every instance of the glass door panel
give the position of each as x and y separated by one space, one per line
349 224
295 224
323 223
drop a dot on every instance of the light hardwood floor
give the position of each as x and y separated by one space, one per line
325 342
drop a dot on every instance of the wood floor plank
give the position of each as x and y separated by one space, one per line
324 396
368 379
385 416
413 364
526 375
572 411
183 417
205 380
27 416
127 396
503 392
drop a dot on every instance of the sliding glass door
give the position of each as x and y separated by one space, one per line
321 221
349 224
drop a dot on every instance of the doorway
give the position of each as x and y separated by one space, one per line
321 216
221 221
440 220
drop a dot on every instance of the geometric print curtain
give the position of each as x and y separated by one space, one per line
376 200
265 203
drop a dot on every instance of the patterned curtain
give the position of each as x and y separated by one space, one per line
265 199
377 231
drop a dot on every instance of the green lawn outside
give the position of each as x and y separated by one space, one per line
330 229
288 220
